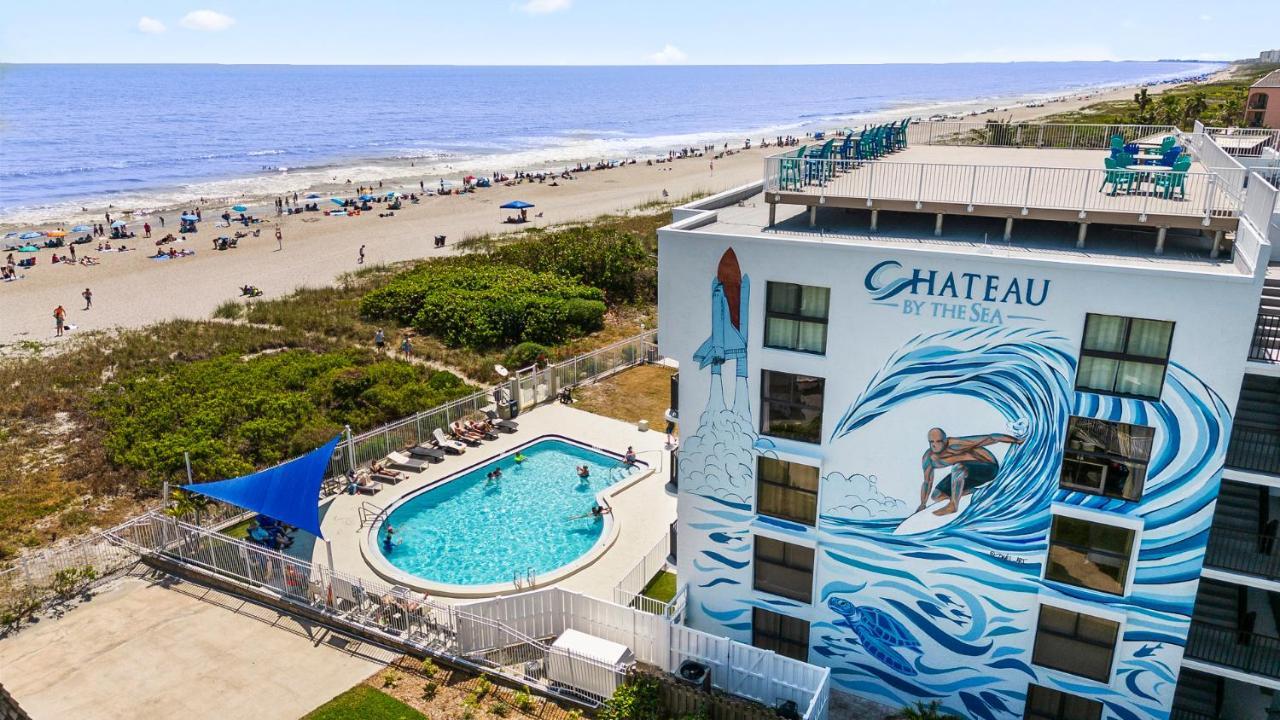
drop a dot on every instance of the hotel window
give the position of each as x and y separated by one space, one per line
1089 554
791 406
783 569
796 317
782 634
1124 356
1075 643
1106 458
1046 704
787 490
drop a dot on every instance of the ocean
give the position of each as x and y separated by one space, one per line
145 136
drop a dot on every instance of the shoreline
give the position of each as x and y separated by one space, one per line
251 190
132 290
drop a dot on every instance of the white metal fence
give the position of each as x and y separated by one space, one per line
1195 195
1244 142
1035 135
528 387
628 591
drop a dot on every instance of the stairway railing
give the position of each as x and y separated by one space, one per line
1246 651
1243 552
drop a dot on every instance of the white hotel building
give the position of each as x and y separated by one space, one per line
963 426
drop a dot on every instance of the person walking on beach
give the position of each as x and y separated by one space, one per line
279 240
73 253
161 220
146 229
379 341
59 319
360 260
88 298
406 347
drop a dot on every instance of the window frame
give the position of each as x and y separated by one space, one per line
1070 455
1121 357
1060 713
769 313
760 480
756 562
766 401
780 639
1133 525
1076 638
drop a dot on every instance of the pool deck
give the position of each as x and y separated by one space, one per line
642 511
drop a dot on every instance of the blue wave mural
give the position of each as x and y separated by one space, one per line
948 610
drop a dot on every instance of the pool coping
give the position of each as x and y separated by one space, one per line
373 557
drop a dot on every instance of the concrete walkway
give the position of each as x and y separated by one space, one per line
145 650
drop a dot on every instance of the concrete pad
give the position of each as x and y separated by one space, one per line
144 650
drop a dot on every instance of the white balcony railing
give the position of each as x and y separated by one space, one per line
1031 135
1245 142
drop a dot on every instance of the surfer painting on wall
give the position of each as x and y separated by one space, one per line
970 463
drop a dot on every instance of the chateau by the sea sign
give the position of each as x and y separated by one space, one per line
968 296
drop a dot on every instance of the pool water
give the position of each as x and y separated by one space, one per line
470 531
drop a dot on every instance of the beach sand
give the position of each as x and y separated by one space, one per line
132 290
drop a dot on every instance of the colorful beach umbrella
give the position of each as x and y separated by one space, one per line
30 235
190 218
82 228
28 248
313 196
393 194
367 197
118 224
239 208
336 201
56 233
516 205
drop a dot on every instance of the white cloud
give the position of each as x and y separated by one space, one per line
1206 18
668 55
542 7
207 20
150 26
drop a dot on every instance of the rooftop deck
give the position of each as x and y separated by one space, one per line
1024 172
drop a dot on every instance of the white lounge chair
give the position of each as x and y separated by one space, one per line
446 444
400 461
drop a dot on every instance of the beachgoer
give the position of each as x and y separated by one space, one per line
406 346
519 458
146 229
59 319
630 457
161 220
379 340
360 260
279 240
88 298
598 511
584 471
386 539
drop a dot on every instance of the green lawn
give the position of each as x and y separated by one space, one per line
662 587
240 530
365 703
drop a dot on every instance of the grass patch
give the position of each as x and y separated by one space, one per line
365 703
240 531
662 587
639 393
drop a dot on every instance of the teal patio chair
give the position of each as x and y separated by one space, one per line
1117 176
789 170
818 165
1174 179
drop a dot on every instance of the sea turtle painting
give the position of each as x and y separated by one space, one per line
878 633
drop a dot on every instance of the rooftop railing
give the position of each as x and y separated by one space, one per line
1244 142
1031 135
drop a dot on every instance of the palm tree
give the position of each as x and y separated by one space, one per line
1143 101
1194 107
932 711
183 504
1230 109
1169 109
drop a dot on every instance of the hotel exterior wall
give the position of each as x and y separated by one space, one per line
960 593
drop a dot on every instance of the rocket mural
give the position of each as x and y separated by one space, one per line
730 294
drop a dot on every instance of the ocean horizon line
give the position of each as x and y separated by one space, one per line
656 66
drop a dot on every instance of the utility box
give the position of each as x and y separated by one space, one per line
580 665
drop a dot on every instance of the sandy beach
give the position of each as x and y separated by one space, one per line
131 290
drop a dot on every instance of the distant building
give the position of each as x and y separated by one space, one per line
1269 56
1263 107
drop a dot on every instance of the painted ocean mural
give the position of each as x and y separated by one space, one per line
916 604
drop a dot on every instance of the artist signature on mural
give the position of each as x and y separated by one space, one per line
1006 557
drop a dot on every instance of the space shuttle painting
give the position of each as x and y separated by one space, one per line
730 296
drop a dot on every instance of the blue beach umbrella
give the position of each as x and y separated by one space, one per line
30 235
393 194
190 218
516 205
366 197
28 248
313 196
336 201
118 224
82 228
239 208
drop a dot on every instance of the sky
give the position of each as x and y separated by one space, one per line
627 32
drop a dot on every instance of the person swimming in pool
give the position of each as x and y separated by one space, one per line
584 471
386 539
972 465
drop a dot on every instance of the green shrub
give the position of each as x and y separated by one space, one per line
429 667
523 701
390 679
603 254
228 310
636 700
526 354
430 689
234 414
586 316
499 709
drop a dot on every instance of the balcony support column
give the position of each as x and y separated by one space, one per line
1160 235
937 226
773 214
875 220
813 215
1008 229
1217 244
1080 236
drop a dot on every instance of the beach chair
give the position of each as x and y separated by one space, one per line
388 477
459 432
1170 156
901 136
400 461
506 426
348 599
1117 144
817 167
1117 176
789 177
444 443
426 452
1174 179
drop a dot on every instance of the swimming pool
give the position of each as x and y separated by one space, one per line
470 531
